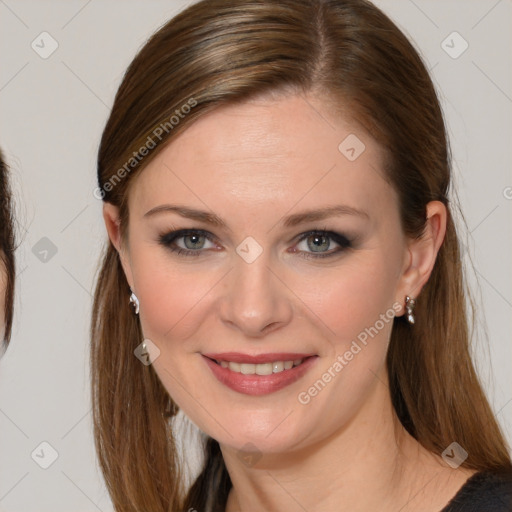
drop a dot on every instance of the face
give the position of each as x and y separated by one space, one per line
267 283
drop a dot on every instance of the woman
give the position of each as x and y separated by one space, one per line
7 267
275 180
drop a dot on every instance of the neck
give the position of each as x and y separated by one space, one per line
372 463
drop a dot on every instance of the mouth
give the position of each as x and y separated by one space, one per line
258 375
260 368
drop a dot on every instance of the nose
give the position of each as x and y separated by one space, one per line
255 300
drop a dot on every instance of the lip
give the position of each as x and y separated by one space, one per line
237 357
257 385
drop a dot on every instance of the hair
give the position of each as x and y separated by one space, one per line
353 57
7 247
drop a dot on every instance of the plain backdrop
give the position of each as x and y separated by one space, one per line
53 112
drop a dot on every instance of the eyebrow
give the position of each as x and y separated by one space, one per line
289 221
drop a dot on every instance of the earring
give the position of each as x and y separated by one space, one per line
135 302
410 303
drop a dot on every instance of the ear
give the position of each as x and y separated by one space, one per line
421 254
113 225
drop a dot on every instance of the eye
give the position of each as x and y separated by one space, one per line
187 242
316 244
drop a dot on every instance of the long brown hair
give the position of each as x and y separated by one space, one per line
7 247
351 55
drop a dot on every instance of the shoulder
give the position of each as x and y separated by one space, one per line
483 492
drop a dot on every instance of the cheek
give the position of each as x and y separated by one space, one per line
171 294
357 307
351 297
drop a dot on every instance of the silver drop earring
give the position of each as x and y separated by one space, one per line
135 302
409 306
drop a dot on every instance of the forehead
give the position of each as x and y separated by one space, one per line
263 154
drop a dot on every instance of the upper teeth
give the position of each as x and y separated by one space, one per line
260 369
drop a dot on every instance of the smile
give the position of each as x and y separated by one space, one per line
261 368
258 375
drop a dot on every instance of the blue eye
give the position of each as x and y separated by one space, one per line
191 242
319 242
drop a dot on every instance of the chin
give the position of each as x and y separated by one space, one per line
262 431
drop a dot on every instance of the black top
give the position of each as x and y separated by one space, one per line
483 492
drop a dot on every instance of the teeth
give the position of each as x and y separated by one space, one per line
277 367
234 366
262 368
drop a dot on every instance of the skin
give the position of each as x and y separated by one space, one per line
253 164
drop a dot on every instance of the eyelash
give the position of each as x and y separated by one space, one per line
168 239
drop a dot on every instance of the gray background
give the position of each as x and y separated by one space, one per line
52 114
